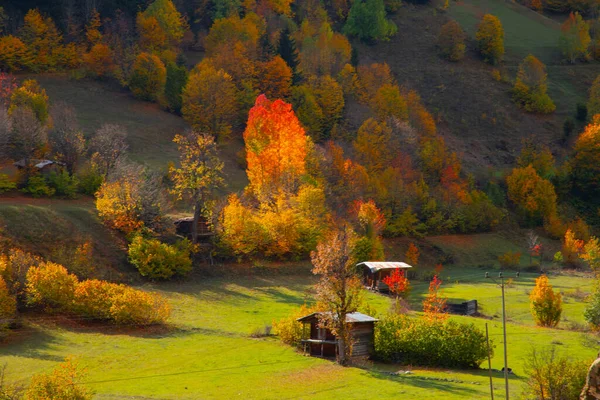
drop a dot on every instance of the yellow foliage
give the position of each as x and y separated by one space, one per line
118 206
51 285
490 38
13 54
546 306
63 383
99 60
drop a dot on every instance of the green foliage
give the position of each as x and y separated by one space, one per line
592 309
90 180
593 104
157 260
367 21
225 8
529 91
6 184
430 343
63 184
176 81
148 77
368 249
30 94
37 187
575 38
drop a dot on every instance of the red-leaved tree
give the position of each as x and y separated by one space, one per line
434 306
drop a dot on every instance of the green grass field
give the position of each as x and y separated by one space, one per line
208 351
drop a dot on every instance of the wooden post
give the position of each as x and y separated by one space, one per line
487 338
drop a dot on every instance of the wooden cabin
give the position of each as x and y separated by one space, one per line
184 227
375 271
45 167
321 342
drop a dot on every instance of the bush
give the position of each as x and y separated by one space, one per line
50 285
6 185
64 383
157 260
367 21
451 41
14 266
90 180
368 249
64 185
289 329
136 307
430 343
37 187
553 377
592 309
490 39
148 77
94 298
510 259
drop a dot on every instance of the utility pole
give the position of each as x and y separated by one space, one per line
487 338
501 276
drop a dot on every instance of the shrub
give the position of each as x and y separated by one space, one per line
157 260
510 259
94 298
490 39
64 383
530 87
553 377
90 180
430 343
289 329
50 285
136 307
368 249
64 185
546 306
6 185
37 187
592 309
451 41
148 77
14 266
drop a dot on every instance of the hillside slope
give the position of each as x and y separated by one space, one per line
474 111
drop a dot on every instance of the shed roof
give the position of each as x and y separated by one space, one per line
350 318
375 266
38 163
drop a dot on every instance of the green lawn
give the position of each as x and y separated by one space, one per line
208 353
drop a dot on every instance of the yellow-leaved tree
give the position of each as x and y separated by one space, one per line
490 39
546 305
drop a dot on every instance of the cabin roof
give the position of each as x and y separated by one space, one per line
38 163
375 266
350 318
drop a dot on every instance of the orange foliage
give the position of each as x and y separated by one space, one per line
13 54
370 218
434 306
373 145
99 60
571 247
276 78
371 78
531 192
398 283
152 35
412 254
276 147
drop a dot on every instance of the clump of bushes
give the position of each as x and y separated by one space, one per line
62 383
510 259
157 260
448 343
6 185
38 187
52 286
451 41
289 329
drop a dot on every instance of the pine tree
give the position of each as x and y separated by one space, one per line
289 52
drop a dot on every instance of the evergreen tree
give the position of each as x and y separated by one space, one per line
289 52
176 80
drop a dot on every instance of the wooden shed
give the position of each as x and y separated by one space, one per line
43 166
375 271
184 227
321 342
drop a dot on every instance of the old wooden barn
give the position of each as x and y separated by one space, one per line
375 271
321 342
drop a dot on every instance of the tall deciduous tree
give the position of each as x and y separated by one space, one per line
199 174
339 290
586 160
108 146
367 21
209 100
65 138
276 148
546 305
148 77
575 38
530 87
276 78
169 19
531 193
451 41
28 138
490 39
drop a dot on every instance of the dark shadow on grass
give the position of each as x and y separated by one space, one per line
30 342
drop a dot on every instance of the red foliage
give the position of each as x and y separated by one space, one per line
7 85
398 283
434 306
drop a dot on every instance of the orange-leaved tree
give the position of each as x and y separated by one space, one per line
276 148
546 305
586 160
434 305
398 284
412 254
575 38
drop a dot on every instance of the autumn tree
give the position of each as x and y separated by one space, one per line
276 78
152 36
412 254
434 305
99 60
209 100
65 138
532 194
148 77
373 145
585 163
398 284
367 20
276 148
28 138
108 146
339 290
370 224
451 41
30 95
371 78
169 19
539 156
43 41
14 55
490 39
199 174
92 29
546 305
530 87
323 51
65 382
389 102
575 38
591 254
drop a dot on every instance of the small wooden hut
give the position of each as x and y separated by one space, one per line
375 271
185 227
43 166
321 342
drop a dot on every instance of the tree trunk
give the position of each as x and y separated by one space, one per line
197 212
